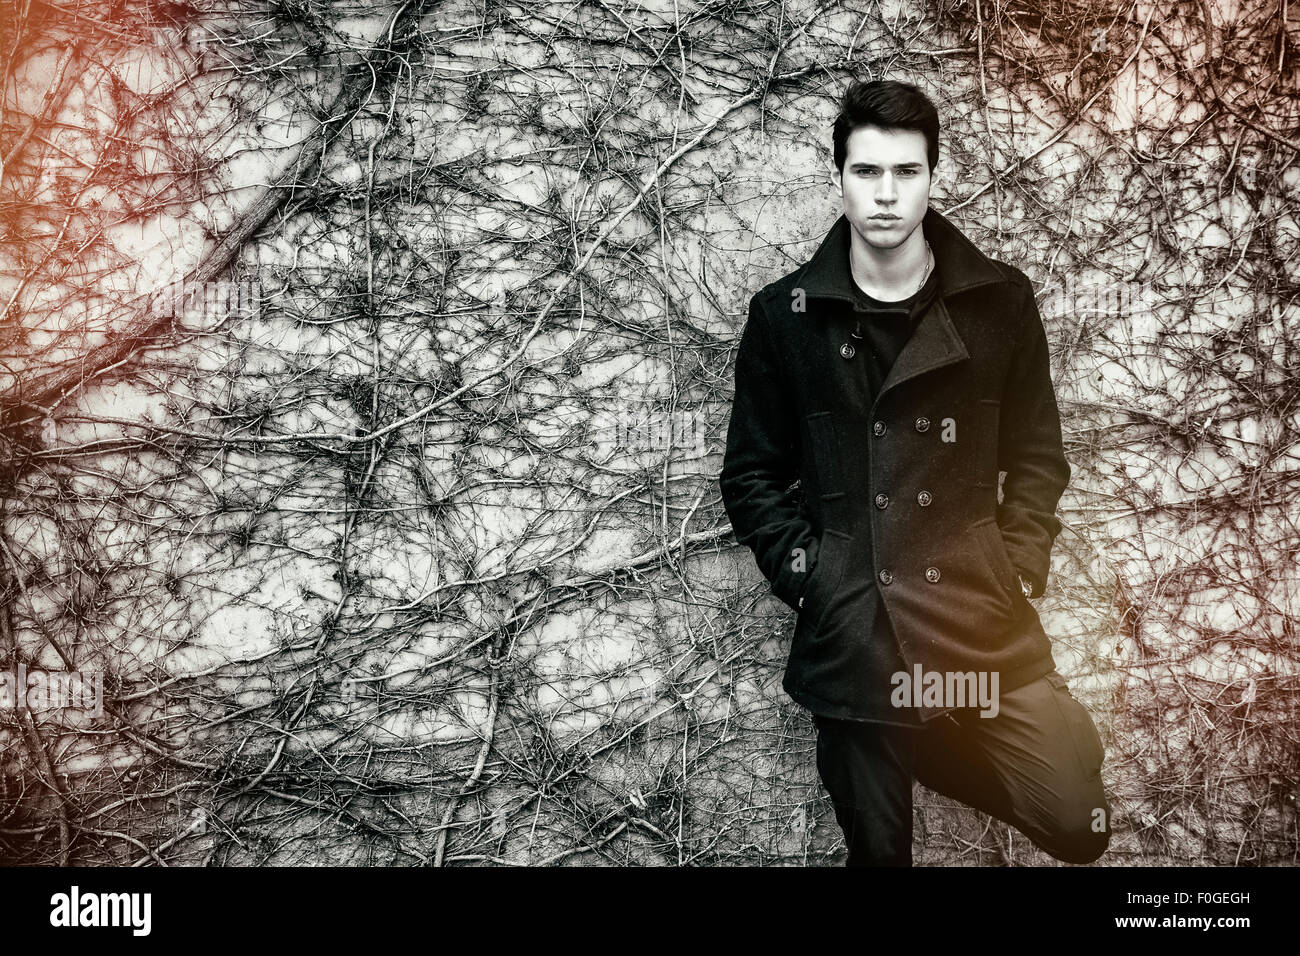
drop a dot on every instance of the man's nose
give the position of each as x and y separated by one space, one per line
885 191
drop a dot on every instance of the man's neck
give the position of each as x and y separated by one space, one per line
888 274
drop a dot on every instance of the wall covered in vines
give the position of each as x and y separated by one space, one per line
365 370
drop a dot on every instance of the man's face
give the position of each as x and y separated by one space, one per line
885 184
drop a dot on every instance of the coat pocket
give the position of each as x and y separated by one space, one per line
826 455
826 577
989 535
985 460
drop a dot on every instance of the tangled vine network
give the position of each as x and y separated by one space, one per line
365 368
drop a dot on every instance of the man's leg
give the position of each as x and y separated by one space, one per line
867 769
1036 765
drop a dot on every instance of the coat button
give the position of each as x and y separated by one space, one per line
882 500
847 351
922 423
885 575
923 498
932 575
878 428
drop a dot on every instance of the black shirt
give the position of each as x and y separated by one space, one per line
886 326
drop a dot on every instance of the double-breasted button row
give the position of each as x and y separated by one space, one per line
878 428
886 576
923 498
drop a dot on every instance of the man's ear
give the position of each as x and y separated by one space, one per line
835 179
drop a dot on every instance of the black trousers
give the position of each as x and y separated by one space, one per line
1036 765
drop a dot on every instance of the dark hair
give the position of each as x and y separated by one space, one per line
888 104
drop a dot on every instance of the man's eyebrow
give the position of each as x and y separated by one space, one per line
896 165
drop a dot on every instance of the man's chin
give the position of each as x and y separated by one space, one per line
883 235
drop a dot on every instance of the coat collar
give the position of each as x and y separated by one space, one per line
934 341
959 264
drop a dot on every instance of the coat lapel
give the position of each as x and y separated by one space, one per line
933 343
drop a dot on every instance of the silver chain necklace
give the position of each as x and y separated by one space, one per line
929 264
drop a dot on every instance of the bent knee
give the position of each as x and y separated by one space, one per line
1080 845
1075 833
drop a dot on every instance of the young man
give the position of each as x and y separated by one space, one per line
893 376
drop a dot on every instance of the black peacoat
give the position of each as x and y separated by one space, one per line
852 506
